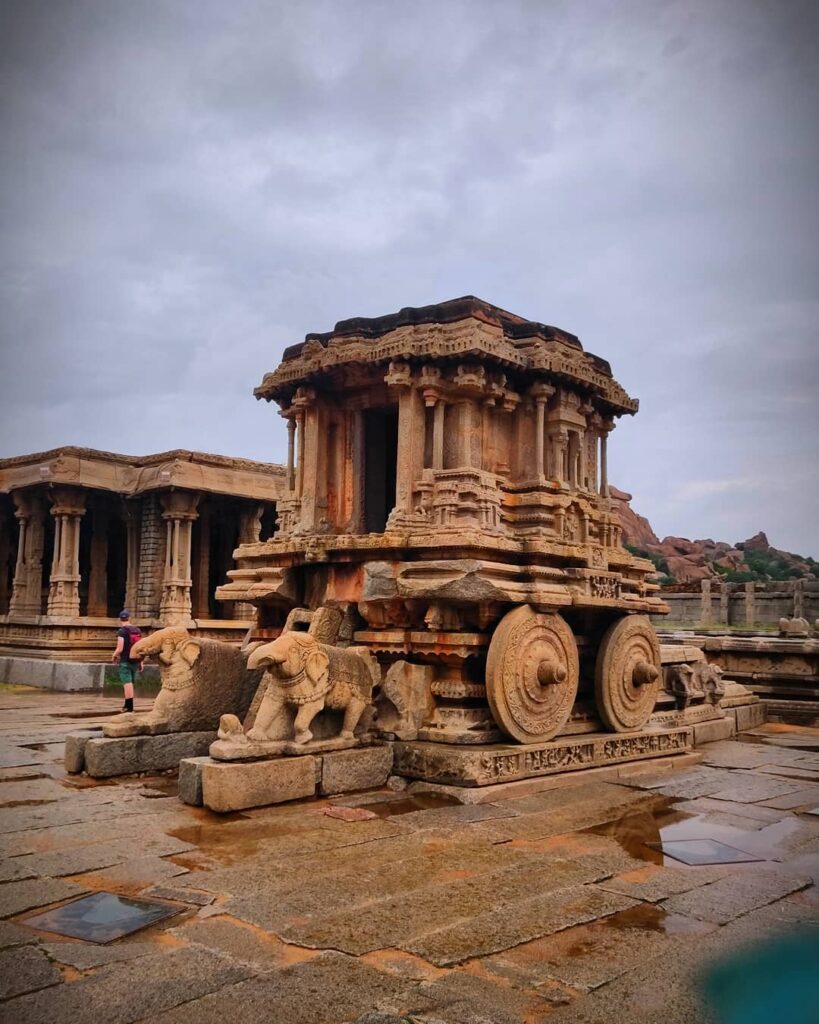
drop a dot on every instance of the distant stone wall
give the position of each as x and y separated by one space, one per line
741 605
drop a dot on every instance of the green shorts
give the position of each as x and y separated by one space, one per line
128 671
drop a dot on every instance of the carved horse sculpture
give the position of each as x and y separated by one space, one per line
311 676
201 679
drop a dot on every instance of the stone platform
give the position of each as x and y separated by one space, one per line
102 757
225 786
489 765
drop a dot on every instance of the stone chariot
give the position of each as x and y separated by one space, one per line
446 511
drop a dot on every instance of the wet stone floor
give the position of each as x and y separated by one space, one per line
593 902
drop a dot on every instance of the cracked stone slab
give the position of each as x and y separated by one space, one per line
510 924
16 897
326 990
122 993
793 801
653 883
735 895
25 970
750 788
391 921
466 999
83 955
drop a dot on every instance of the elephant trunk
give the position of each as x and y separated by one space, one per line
263 656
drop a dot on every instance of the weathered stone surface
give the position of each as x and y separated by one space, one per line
327 990
510 925
709 732
653 883
734 895
25 970
124 756
234 786
189 785
346 771
83 956
484 765
137 990
15 897
74 755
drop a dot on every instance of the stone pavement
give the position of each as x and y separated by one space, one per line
550 905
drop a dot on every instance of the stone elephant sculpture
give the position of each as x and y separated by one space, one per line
311 676
201 680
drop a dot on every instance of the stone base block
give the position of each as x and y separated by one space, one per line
106 757
247 750
792 712
189 783
528 787
74 755
237 785
750 717
710 732
349 770
483 766
65 676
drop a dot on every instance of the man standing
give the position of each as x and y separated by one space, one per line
127 636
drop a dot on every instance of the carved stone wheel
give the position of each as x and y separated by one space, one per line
627 673
532 672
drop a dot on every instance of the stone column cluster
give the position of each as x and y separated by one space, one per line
68 508
179 510
26 593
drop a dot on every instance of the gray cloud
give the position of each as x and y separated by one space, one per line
187 187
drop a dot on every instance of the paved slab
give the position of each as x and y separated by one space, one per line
530 906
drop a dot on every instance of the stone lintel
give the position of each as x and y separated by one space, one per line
486 765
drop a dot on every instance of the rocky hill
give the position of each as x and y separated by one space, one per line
679 560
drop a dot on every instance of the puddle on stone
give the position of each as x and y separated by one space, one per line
695 852
649 917
387 807
645 833
24 803
35 746
102 917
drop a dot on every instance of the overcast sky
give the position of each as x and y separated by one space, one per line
190 186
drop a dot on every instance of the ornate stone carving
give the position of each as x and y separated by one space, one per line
627 673
201 680
532 672
700 681
310 676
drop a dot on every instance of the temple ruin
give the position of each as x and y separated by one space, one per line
85 533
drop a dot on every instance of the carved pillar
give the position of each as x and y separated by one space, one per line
606 427
750 604
68 508
411 437
178 512
798 599
438 434
359 470
98 575
725 604
541 393
705 602
200 588
291 451
5 552
132 515
27 586
311 473
562 457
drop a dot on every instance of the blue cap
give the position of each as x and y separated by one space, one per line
125 615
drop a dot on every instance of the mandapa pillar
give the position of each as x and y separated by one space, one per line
26 590
178 512
67 510
132 516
